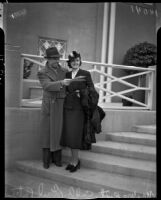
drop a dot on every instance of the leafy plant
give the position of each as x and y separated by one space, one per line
141 55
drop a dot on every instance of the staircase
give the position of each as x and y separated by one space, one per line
120 164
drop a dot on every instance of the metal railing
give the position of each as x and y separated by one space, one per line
105 84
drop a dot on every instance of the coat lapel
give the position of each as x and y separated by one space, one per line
78 73
52 74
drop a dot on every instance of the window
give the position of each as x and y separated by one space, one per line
45 43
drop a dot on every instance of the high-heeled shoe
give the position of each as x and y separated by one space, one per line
69 167
74 168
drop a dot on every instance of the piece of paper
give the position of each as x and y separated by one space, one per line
78 78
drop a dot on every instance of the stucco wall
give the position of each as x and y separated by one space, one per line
80 24
13 74
74 22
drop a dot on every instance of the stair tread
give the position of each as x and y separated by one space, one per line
35 87
146 126
40 186
133 135
126 146
123 182
116 160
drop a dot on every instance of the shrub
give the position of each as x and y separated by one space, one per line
141 55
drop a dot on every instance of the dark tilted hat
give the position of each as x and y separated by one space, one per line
52 52
73 56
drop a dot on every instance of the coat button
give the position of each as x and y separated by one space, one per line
53 101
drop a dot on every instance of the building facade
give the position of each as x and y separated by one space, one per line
101 32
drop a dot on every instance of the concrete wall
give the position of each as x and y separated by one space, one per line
13 73
22 137
80 24
74 22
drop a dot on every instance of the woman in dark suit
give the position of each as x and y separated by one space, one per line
73 111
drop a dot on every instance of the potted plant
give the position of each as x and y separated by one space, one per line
140 55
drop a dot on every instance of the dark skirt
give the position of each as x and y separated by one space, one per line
73 124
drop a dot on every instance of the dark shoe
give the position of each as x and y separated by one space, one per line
46 158
69 167
46 165
74 168
56 158
58 164
52 157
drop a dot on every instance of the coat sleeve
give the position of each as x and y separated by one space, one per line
47 84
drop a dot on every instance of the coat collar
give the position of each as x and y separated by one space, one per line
78 73
52 73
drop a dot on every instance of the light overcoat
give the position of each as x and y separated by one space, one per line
52 106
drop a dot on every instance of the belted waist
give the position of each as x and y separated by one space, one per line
57 95
73 92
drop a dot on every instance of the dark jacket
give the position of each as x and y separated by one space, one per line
72 101
74 116
87 102
97 116
93 116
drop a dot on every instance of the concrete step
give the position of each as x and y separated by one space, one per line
115 164
19 184
35 91
106 184
110 105
125 150
31 103
151 129
129 137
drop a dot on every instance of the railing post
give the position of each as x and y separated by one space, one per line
104 45
111 44
151 91
21 79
